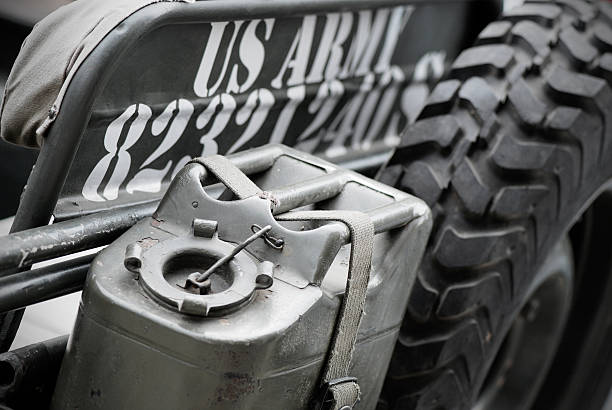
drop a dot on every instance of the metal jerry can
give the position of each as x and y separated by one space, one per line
231 296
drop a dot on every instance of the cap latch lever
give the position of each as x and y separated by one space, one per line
200 281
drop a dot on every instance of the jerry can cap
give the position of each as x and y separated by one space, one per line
200 274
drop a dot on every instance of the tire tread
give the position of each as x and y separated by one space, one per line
500 152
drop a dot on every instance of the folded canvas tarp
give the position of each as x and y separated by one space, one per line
49 59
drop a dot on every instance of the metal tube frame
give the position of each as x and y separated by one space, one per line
63 140
19 250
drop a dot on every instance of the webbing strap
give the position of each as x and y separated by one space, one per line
341 391
346 393
229 175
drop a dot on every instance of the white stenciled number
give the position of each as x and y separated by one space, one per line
385 107
228 105
257 106
111 141
342 127
325 102
174 119
295 95
180 112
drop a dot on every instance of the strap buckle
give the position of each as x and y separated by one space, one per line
326 399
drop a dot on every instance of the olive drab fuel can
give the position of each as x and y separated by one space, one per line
218 302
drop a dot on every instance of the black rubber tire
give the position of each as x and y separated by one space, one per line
508 151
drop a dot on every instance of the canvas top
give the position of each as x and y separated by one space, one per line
49 59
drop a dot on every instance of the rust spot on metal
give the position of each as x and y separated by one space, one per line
146 243
156 222
268 195
237 385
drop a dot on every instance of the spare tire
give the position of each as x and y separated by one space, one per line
509 151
